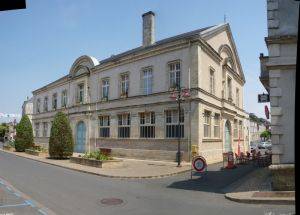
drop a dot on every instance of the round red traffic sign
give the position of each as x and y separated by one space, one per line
199 163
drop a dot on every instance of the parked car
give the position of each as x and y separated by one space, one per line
253 145
265 145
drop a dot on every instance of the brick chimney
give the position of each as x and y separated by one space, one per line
148 28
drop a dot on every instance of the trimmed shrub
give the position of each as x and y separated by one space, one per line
61 141
24 137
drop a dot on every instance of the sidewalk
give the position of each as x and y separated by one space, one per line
129 168
256 188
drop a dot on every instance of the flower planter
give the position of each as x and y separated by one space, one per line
92 162
8 148
34 152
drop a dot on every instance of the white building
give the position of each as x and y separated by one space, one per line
278 75
123 102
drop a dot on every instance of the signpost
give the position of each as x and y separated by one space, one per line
199 164
229 159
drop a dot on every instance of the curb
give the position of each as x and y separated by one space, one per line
99 174
251 200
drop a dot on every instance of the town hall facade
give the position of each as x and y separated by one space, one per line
124 102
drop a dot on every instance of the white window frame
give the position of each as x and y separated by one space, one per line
45 106
171 122
147 80
80 93
229 88
104 126
207 124
235 128
54 101
45 129
174 69
37 129
212 81
217 125
105 88
237 95
64 98
147 125
124 84
124 122
38 106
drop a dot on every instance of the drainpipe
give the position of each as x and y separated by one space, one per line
190 107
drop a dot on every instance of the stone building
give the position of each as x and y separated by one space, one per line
27 108
123 102
278 75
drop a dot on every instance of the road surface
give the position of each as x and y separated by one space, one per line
69 192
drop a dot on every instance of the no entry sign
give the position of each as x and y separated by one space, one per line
199 163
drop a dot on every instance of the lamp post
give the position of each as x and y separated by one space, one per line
179 94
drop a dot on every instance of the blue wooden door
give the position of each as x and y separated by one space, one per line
80 138
227 137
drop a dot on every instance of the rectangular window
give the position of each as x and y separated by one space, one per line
46 104
217 125
174 72
207 124
37 129
237 94
104 123
54 101
105 89
212 81
80 93
241 130
147 125
235 128
147 81
38 106
173 130
45 129
124 125
64 98
124 84
229 89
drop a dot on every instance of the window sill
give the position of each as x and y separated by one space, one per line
211 139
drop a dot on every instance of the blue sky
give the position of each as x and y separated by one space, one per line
39 44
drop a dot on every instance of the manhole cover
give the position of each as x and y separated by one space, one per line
111 201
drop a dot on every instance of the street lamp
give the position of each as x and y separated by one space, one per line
179 94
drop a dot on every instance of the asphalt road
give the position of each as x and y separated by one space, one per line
69 192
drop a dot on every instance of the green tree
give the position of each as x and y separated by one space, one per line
24 137
3 129
265 135
61 140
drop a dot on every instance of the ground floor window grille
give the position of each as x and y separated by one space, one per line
124 125
147 125
104 126
173 130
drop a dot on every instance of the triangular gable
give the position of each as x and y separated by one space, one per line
214 38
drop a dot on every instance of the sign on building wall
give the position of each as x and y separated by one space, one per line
262 98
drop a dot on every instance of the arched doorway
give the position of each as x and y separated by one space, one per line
80 138
227 145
